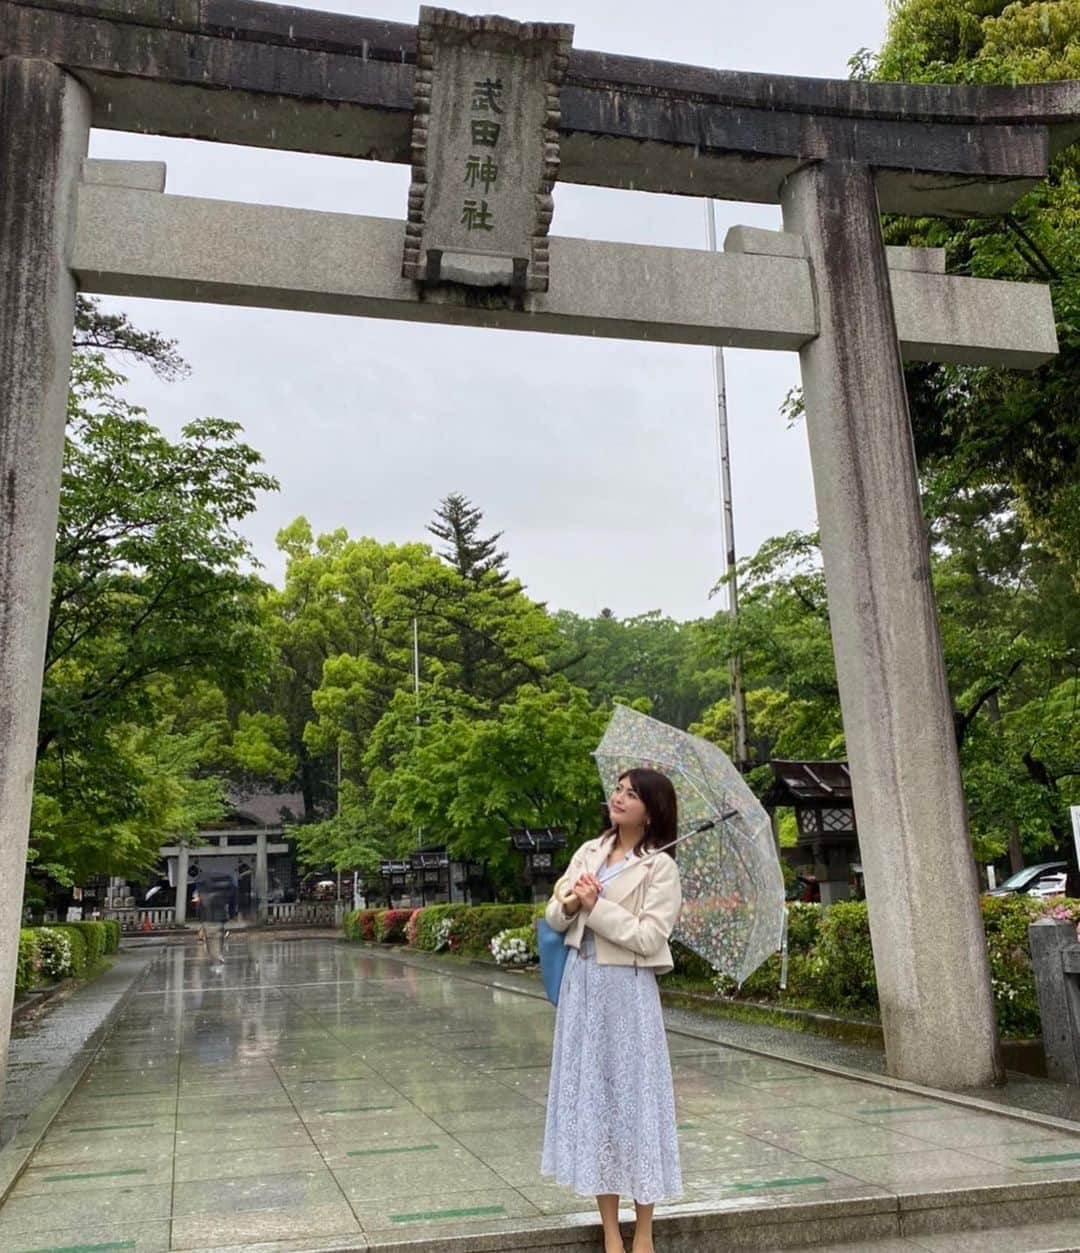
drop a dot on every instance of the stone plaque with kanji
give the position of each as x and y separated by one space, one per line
485 150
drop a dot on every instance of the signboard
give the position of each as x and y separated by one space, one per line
485 150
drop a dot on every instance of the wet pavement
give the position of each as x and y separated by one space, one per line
316 1094
41 1052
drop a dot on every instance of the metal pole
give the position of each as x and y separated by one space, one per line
738 695
416 689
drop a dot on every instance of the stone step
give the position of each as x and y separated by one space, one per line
1051 1237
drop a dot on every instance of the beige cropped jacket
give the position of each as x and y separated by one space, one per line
634 918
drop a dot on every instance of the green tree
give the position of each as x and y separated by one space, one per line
457 524
99 332
1010 619
149 597
647 657
343 624
979 427
464 775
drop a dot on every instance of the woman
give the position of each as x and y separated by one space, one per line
611 1108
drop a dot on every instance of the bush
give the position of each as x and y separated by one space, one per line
62 950
843 961
410 928
360 924
54 951
477 925
1006 919
431 935
516 946
28 963
97 935
80 951
390 925
688 965
112 935
803 926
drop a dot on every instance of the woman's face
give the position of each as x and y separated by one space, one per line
627 809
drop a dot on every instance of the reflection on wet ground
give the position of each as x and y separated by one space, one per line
314 1091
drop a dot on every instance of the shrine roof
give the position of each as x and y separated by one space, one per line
810 783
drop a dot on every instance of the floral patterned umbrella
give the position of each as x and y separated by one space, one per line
733 890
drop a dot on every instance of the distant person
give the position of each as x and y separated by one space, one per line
611 1104
218 892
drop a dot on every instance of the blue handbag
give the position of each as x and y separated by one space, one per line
553 955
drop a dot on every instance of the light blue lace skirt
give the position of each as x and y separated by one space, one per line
611 1105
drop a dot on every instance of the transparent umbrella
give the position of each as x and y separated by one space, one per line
733 889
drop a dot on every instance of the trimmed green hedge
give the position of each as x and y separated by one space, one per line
390 925
96 937
80 953
62 950
28 963
466 929
831 962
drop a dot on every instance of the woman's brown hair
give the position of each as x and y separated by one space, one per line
657 794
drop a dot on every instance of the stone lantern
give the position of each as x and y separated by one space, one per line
539 846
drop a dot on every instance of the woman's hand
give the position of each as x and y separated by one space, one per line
587 890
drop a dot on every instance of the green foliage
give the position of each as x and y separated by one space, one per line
97 331
687 964
472 926
1010 622
360 925
804 926
79 946
343 626
150 597
112 935
782 637
469 772
28 962
428 934
803 989
830 961
977 426
390 925
110 810
95 935
457 524
516 946
259 748
63 949
843 961
1006 919
649 657
477 925
55 953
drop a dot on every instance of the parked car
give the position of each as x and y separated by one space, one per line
1051 885
1029 879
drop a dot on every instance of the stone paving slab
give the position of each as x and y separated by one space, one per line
38 1059
325 1096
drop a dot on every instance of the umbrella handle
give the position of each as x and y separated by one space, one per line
568 898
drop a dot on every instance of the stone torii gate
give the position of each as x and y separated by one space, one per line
833 154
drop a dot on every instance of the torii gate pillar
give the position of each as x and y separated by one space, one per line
932 968
44 127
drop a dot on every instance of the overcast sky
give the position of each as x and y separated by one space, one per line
597 458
